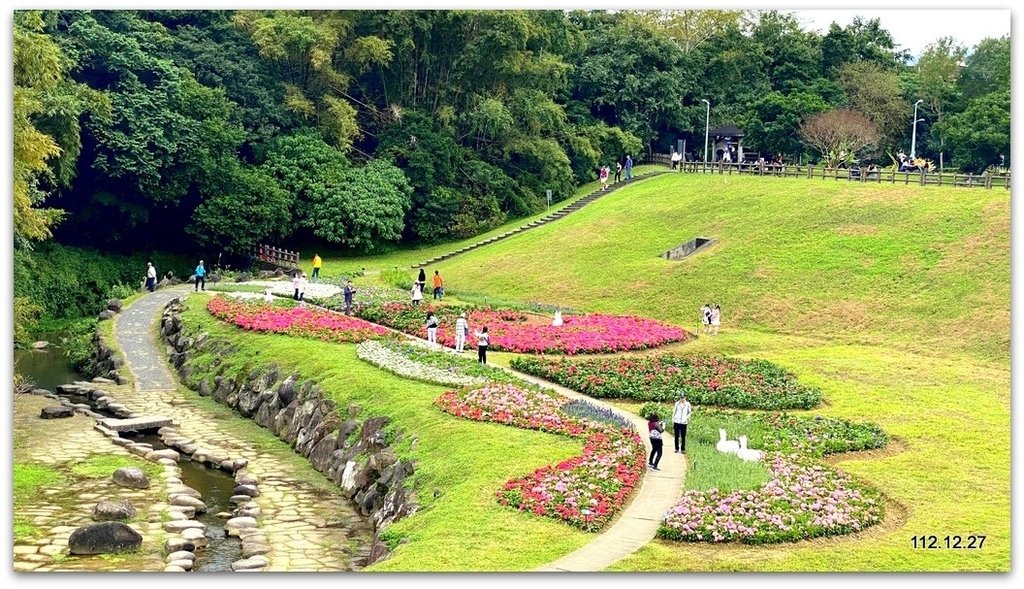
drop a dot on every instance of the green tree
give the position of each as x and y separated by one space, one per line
876 93
938 74
364 209
244 207
987 68
980 134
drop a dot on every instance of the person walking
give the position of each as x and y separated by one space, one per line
716 319
680 417
349 293
438 285
150 277
618 172
603 175
705 317
655 427
422 280
629 167
676 158
431 327
299 284
417 294
200 275
317 264
461 331
482 339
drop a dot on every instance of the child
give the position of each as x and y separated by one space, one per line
299 284
431 327
417 294
481 345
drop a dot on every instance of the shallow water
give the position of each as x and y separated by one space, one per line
47 368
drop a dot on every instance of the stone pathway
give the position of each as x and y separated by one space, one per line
308 528
61 508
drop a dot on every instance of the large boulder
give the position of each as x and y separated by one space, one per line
243 277
56 412
115 305
106 314
113 510
131 477
104 537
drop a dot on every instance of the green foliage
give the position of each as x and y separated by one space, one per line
26 317
365 208
980 134
987 68
30 478
99 466
245 207
401 279
72 283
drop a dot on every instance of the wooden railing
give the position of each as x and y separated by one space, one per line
277 256
882 176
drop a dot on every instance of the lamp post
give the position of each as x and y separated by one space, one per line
913 140
707 125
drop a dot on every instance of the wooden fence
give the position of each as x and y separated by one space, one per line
888 176
277 256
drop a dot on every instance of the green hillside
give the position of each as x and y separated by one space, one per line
893 300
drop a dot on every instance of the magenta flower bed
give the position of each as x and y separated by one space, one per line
803 500
298 321
512 331
585 491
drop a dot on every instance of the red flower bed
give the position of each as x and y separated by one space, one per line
512 331
298 321
585 491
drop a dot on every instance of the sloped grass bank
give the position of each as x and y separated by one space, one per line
459 464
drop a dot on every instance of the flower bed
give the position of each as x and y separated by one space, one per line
782 432
365 296
803 500
418 361
297 321
585 491
513 331
707 380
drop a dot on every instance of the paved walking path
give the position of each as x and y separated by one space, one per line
308 528
638 522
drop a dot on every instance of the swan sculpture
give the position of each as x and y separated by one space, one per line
748 454
267 297
724 445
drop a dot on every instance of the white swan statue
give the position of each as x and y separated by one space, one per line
724 445
558 318
748 454
267 297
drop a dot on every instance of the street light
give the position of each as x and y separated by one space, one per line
913 140
707 125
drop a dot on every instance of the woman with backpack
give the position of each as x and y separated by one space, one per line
482 339
655 427
431 327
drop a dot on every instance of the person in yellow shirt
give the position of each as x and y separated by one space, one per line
438 285
317 264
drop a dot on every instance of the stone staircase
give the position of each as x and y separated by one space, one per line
575 206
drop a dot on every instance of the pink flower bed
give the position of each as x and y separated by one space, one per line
512 331
803 500
298 321
585 491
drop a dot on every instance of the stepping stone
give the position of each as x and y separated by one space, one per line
56 412
183 526
253 562
137 423
180 555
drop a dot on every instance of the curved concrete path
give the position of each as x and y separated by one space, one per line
307 528
638 522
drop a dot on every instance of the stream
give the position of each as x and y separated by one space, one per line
49 368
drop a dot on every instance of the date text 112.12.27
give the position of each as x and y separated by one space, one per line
971 542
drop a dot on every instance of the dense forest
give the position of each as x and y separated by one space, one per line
187 131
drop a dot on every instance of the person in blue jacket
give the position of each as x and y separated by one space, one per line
200 275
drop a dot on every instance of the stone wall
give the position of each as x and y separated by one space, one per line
353 453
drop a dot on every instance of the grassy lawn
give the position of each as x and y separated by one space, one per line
337 263
460 464
893 300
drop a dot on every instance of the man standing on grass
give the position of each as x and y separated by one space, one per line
629 167
317 263
200 275
680 417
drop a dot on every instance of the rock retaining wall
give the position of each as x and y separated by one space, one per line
353 453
